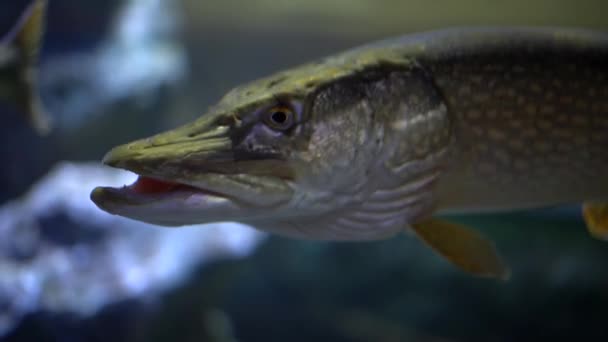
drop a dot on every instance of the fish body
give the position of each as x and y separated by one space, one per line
376 140
530 117
19 50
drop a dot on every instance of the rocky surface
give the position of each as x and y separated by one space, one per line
62 255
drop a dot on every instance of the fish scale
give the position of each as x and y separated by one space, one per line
529 131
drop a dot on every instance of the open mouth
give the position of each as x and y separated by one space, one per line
187 181
163 202
147 185
147 190
150 186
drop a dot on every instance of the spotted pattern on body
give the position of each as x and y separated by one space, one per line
533 125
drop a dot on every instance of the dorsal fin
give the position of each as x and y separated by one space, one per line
30 29
26 34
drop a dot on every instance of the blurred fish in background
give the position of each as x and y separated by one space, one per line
19 51
113 71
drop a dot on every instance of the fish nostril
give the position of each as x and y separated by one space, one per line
144 143
232 119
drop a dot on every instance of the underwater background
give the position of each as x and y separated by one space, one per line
116 70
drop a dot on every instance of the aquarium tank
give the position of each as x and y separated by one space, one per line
78 78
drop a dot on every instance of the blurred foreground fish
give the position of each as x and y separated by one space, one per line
19 51
374 141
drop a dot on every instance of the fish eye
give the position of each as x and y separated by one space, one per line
280 118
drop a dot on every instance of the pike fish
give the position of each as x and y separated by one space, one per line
377 140
19 50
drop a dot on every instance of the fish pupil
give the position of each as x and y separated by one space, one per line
279 117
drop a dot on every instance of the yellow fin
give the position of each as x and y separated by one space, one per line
28 41
463 247
596 218
32 27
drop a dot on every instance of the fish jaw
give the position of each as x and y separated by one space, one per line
189 179
170 208
205 199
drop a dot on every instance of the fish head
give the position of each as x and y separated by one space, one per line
279 147
343 149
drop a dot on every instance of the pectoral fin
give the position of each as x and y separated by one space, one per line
463 247
596 218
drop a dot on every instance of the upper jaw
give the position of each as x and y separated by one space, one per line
151 156
175 155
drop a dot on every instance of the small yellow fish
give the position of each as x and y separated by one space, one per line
19 51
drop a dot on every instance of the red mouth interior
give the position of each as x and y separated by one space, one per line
145 185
